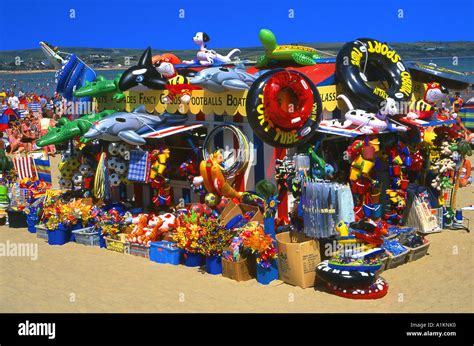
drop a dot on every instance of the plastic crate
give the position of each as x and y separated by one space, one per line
139 250
86 236
41 232
418 252
384 265
117 245
165 252
395 261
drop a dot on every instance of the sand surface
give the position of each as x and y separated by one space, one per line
77 278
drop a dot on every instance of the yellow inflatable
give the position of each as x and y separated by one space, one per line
213 178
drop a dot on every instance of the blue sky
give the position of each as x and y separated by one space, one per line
229 23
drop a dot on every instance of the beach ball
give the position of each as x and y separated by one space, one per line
206 209
120 167
222 204
114 179
124 151
85 169
197 208
112 163
77 179
211 200
113 149
65 184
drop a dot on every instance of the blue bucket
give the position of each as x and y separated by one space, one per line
60 236
214 264
267 275
101 241
192 259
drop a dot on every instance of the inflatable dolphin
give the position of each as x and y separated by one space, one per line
221 79
129 126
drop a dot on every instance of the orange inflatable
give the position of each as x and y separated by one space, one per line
465 173
213 178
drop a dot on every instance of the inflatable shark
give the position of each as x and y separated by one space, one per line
222 79
130 127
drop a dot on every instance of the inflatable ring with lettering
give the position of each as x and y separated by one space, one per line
287 126
377 290
352 61
344 278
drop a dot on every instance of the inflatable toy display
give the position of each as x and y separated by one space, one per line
366 122
67 130
353 63
221 79
142 76
73 74
283 108
207 56
100 86
129 126
298 54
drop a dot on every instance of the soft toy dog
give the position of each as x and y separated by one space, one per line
367 122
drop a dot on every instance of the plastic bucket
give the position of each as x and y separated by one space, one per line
377 211
267 275
192 259
60 236
214 265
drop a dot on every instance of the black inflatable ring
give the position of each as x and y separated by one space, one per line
344 278
350 65
283 128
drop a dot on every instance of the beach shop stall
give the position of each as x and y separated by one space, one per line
293 167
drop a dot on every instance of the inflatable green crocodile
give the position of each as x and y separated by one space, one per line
299 54
67 130
101 86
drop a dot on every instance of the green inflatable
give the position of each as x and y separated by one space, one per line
6 163
101 86
67 130
299 54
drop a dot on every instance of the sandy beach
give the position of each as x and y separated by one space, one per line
77 278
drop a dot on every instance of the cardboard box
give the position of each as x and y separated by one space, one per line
298 257
232 210
243 270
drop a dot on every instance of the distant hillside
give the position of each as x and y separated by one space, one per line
114 57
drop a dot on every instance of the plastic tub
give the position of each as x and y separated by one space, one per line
418 252
192 259
86 236
165 252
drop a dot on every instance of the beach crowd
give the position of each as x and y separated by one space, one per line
25 117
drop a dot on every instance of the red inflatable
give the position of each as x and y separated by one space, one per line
377 290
